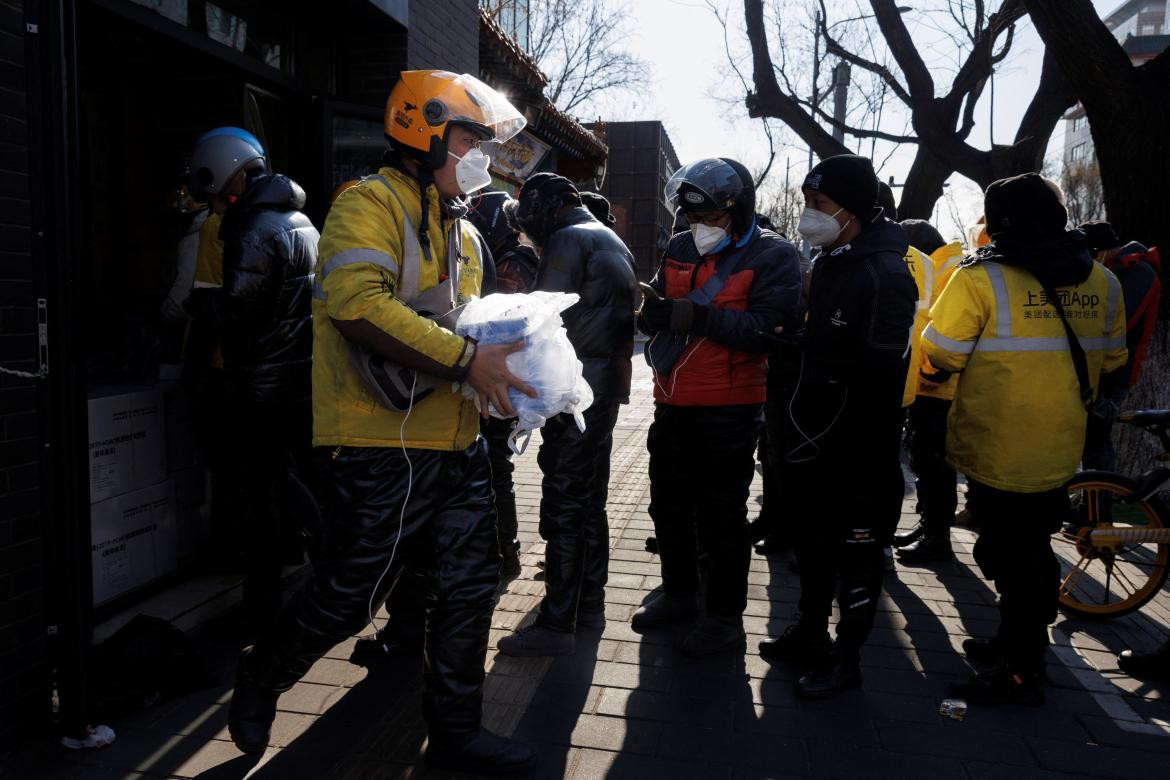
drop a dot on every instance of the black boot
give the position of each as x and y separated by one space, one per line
907 538
510 567
480 753
1000 686
252 710
928 549
800 645
1149 666
775 544
983 651
828 681
383 645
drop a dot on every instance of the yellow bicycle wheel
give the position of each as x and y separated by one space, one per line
1114 553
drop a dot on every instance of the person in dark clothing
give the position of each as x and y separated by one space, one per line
852 356
577 255
516 267
598 206
262 314
1137 268
926 418
724 286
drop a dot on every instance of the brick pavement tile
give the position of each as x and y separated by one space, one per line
984 770
595 764
952 738
1064 756
1106 731
829 762
330 671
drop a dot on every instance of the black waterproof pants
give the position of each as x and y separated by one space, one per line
839 541
926 438
278 509
447 531
573 521
701 465
1014 549
497 431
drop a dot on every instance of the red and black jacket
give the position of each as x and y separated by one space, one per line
725 361
1138 269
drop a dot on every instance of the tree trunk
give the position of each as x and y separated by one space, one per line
923 186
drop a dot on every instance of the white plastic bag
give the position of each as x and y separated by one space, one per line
548 362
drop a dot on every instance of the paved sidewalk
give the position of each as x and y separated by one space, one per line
630 706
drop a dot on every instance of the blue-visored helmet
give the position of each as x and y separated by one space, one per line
218 156
714 184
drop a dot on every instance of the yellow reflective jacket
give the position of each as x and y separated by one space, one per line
209 270
1018 421
367 238
923 273
943 261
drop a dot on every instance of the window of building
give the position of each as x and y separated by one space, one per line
1079 152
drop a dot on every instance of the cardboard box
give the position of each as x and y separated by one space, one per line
127 442
132 540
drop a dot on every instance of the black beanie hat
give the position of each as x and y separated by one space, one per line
1023 208
1100 235
598 206
850 181
540 199
922 235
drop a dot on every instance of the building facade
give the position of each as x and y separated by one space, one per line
641 161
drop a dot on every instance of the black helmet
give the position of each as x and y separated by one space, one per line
714 184
486 212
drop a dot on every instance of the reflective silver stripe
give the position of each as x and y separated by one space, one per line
411 251
207 285
949 264
1043 344
359 255
318 291
1111 301
1003 309
927 283
950 345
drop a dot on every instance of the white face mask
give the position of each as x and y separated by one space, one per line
819 228
707 237
471 172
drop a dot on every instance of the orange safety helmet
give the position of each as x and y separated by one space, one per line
345 185
425 103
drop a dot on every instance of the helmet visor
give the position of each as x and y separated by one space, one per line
716 183
468 99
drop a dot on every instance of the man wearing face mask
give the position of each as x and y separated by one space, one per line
724 287
844 418
577 255
404 488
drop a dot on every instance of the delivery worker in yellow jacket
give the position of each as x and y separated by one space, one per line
1030 323
926 419
405 476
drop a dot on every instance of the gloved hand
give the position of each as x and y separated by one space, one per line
677 314
656 314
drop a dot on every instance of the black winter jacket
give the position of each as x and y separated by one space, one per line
856 346
269 253
583 256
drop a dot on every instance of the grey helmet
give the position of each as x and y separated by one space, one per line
218 156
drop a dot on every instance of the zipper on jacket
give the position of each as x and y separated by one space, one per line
336 452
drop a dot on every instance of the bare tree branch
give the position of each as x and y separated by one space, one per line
581 46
